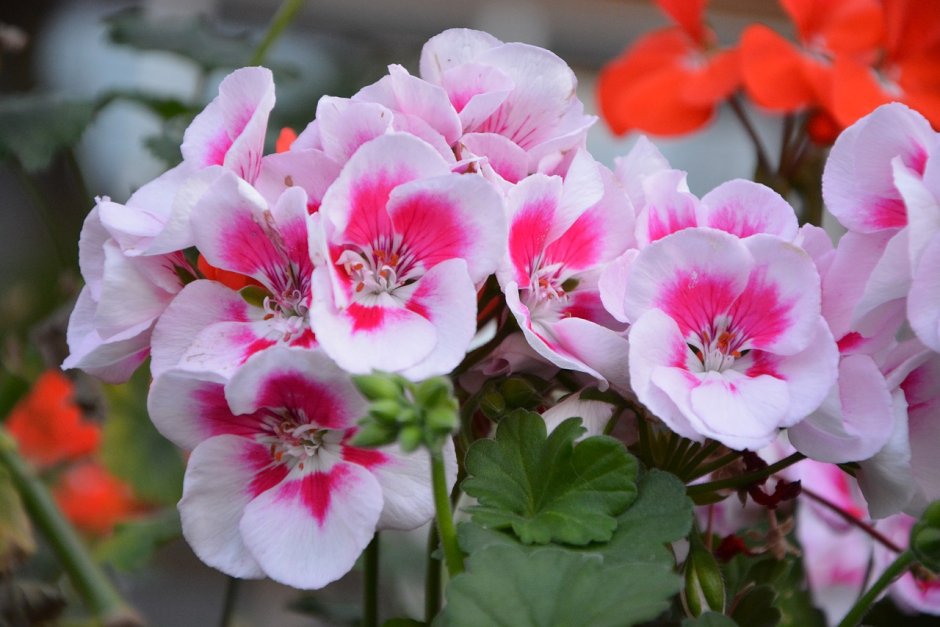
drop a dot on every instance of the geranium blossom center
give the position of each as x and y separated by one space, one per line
717 347
379 269
294 441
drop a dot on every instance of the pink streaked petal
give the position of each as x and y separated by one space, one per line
113 360
887 480
643 160
311 170
199 305
309 530
355 205
532 207
668 207
845 280
134 291
743 208
570 135
414 125
656 347
818 244
213 502
305 382
453 48
923 304
400 91
506 159
475 91
230 130
583 188
231 231
858 184
890 279
612 284
177 233
188 408
448 217
853 422
602 232
692 275
344 125
739 411
601 349
361 339
810 373
290 219
921 202
779 309
222 347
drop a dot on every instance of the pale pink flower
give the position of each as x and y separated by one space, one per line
727 340
911 594
562 232
404 244
272 486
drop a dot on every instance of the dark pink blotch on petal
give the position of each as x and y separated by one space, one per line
368 213
317 490
695 298
581 245
369 458
762 363
213 411
430 229
528 234
759 313
297 391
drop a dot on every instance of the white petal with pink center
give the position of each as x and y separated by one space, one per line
858 181
728 341
562 232
404 242
272 487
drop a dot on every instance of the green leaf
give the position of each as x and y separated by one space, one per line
133 543
512 587
403 622
134 450
547 488
709 619
661 514
34 128
16 533
756 608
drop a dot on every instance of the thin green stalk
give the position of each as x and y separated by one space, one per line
90 582
370 588
712 466
746 479
700 456
852 520
281 20
763 162
453 556
897 568
232 586
677 458
432 578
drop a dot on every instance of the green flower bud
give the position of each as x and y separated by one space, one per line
442 420
704 588
378 386
410 438
373 434
493 405
386 410
519 393
925 537
433 392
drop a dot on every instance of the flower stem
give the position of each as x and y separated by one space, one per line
232 586
370 588
712 466
897 568
746 479
432 578
763 162
852 520
453 556
90 582
281 20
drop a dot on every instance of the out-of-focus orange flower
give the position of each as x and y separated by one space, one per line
782 76
906 68
48 426
671 80
93 499
227 278
285 139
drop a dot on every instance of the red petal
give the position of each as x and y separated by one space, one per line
714 82
856 91
285 139
688 14
775 71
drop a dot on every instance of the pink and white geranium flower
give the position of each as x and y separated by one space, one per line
516 104
272 486
404 243
727 340
912 594
562 232
211 327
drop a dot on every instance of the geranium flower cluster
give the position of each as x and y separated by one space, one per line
258 283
